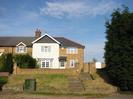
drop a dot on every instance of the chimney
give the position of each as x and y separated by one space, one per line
37 33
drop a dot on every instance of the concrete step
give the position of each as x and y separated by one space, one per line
76 85
76 89
85 76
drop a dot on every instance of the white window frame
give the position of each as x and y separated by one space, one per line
50 62
73 61
61 64
21 49
46 49
72 50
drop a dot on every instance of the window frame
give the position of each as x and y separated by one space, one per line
72 50
21 49
47 63
64 64
46 49
73 61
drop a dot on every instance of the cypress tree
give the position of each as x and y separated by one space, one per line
119 48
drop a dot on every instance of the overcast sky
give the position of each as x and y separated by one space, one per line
79 20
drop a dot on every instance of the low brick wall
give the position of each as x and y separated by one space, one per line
72 71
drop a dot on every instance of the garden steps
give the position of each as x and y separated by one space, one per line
75 84
85 76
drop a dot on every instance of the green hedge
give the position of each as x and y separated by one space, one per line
6 63
25 61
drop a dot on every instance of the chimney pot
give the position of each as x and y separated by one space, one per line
37 33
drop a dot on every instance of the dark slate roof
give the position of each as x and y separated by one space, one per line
68 43
46 39
13 41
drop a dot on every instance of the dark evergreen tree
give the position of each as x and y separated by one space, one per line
119 48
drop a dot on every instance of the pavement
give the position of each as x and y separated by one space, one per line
30 96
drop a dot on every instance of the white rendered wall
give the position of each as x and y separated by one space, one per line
54 53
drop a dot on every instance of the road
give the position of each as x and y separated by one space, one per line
27 96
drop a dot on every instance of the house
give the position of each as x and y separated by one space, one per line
50 52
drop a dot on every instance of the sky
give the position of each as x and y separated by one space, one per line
80 20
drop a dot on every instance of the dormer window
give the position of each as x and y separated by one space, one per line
21 48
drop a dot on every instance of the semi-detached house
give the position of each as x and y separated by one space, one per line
50 52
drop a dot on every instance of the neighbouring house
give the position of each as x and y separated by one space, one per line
50 52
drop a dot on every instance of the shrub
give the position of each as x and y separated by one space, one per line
6 63
25 61
3 80
2 62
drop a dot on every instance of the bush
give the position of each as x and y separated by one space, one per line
25 61
2 62
6 63
3 80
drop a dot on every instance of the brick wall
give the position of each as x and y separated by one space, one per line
79 56
13 50
46 71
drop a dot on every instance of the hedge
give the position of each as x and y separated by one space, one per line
6 63
25 61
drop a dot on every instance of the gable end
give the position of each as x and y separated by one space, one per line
46 39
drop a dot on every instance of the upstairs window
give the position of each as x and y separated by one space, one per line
21 48
45 48
72 50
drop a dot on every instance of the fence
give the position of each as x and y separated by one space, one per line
91 67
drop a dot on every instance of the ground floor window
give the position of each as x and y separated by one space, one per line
47 63
73 63
62 64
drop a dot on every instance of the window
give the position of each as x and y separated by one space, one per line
73 63
62 64
21 49
47 63
72 50
45 48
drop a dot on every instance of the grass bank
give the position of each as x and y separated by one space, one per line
48 83
57 84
